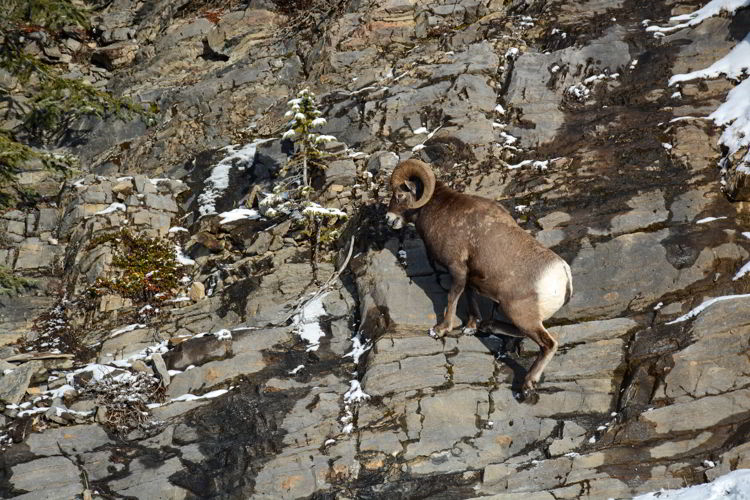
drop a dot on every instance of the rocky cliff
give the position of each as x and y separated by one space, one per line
263 376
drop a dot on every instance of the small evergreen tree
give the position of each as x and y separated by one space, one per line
305 116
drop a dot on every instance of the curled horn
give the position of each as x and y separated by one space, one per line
420 170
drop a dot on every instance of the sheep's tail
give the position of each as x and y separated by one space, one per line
569 290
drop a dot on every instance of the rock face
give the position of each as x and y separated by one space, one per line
561 111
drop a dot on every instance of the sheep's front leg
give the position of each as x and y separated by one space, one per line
458 278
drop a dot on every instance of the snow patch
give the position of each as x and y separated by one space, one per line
126 329
238 214
208 395
742 272
313 209
697 310
734 114
709 219
732 486
218 181
733 65
358 348
355 394
114 207
181 259
711 9
223 335
307 322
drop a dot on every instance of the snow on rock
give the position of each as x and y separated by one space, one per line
307 322
709 219
313 209
734 115
223 334
732 486
208 395
742 272
697 310
539 165
181 259
114 207
733 65
218 181
711 9
358 348
355 394
238 214
177 229
126 329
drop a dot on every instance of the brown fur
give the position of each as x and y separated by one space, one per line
483 247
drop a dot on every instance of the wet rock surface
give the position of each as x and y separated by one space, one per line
559 111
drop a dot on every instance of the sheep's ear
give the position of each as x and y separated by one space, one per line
411 186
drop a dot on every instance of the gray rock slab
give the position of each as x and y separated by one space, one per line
591 360
161 368
99 465
197 351
633 271
33 254
13 385
159 202
313 419
71 440
204 377
647 209
172 410
293 474
699 414
591 331
388 348
386 442
150 480
717 362
254 340
472 367
408 303
126 344
687 206
539 97
49 478
447 418
341 172
407 374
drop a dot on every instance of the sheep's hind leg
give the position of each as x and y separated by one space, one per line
475 314
532 327
458 278
547 348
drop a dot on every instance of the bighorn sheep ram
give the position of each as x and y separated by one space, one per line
481 245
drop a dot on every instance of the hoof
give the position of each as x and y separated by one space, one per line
529 386
440 330
529 397
470 331
431 332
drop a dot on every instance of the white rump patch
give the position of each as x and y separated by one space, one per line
551 288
